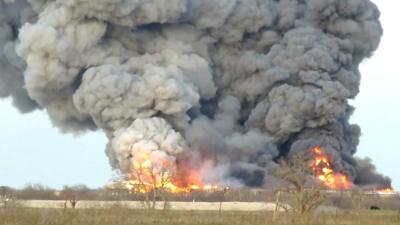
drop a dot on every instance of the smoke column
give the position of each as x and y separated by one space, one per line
234 84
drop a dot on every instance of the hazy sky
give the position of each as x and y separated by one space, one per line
32 151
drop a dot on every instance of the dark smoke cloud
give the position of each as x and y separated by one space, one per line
237 83
12 16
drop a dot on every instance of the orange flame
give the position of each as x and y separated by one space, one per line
322 168
150 174
385 191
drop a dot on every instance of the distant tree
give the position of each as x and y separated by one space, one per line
3 196
7 197
304 195
36 192
151 180
73 201
357 198
71 194
222 197
80 191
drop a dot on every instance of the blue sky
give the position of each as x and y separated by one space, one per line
33 151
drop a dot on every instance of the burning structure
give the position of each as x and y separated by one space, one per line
220 87
324 172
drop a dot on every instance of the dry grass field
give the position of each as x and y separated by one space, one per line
205 206
123 216
241 207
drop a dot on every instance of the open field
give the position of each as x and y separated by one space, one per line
208 206
123 216
241 207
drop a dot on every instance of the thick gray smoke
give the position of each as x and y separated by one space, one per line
12 16
234 84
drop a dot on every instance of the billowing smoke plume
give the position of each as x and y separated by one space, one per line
234 83
12 16
153 137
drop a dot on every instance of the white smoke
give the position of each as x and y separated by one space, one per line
242 82
153 136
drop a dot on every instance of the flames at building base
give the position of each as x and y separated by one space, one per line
322 167
154 171
148 175
324 171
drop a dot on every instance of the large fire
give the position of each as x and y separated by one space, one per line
157 171
322 167
385 191
154 170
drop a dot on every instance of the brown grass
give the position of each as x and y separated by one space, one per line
122 216
341 200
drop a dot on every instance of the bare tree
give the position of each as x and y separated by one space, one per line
304 195
151 183
65 205
223 192
7 197
3 197
357 198
73 201
71 195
